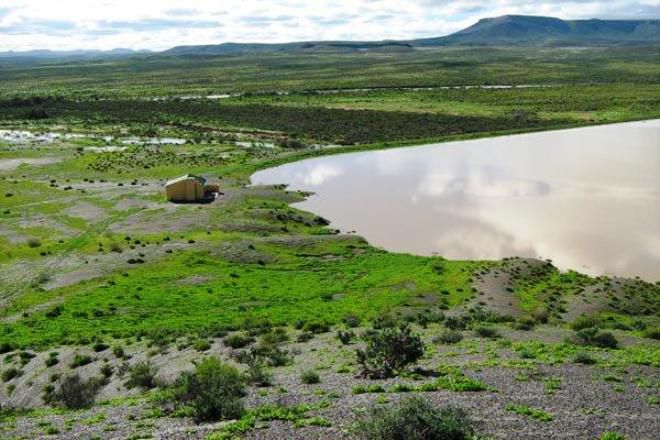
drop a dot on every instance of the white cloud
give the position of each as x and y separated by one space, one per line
159 24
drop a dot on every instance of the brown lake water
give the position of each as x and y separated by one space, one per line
586 198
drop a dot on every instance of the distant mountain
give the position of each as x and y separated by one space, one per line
70 54
508 30
308 46
522 30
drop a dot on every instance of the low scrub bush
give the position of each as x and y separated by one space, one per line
449 337
316 327
351 321
310 377
238 340
652 333
487 332
80 360
596 338
74 392
582 322
584 359
345 337
415 419
142 375
214 391
11 373
389 351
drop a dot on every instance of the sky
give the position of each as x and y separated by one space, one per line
161 24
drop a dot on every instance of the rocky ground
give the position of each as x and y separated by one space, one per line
530 368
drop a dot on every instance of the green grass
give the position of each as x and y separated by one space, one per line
151 297
528 411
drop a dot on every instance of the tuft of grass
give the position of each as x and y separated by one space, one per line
528 411
310 377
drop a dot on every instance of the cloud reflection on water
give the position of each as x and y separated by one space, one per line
587 198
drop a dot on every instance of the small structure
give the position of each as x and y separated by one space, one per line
190 188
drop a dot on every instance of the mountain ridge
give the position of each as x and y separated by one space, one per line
506 30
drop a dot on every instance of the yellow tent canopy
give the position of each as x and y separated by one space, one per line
188 188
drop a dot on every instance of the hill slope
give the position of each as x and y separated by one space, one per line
509 30
544 31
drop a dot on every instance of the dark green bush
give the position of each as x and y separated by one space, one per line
11 373
316 327
415 418
80 360
258 374
487 332
652 333
345 337
100 346
141 375
74 392
310 377
584 358
449 337
238 340
351 321
456 322
214 390
595 337
582 322
389 351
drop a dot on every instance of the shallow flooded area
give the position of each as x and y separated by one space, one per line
588 198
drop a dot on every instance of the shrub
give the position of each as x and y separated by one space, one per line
11 373
214 390
118 351
275 336
524 324
456 322
310 377
351 321
541 316
237 340
449 337
52 359
80 360
316 327
389 351
74 393
584 358
141 375
385 320
415 419
271 355
6 347
345 337
258 374
100 346
305 336
34 242
487 332
652 333
107 371
592 336
582 322
202 345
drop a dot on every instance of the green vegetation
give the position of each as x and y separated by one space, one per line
525 410
389 351
98 269
415 418
214 391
